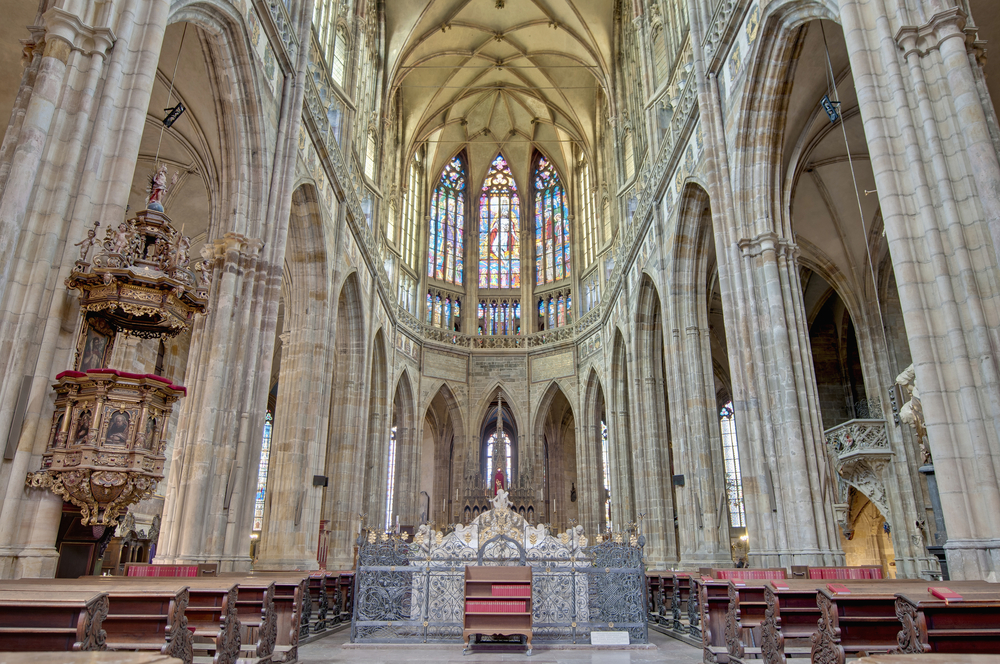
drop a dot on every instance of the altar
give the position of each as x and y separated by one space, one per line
414 591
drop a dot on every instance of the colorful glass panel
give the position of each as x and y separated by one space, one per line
447 223
265 458
499 229
551 225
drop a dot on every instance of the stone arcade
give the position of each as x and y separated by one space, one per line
720 273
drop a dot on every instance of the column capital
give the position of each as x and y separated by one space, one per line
69 28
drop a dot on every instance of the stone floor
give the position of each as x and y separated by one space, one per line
331 649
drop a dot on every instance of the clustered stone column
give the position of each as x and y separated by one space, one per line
937 179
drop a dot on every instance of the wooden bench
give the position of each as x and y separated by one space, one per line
258 618
291 599
344 610
53 620
859 573
969 624
91 657
211 612
150 569
145 619
713 603
859 617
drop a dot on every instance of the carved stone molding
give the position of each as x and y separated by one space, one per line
861 452
68 27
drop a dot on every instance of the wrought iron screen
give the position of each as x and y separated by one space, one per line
416 591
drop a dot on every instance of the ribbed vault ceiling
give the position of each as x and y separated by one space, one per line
488 79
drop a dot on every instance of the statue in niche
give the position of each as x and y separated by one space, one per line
498 482
912 412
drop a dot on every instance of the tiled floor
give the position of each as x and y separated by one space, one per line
330 649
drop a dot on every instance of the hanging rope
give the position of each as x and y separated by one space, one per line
170 93
857 192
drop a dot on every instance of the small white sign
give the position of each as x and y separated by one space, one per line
609 638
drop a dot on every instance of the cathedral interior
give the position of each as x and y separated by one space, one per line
725 273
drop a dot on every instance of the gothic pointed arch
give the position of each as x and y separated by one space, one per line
345 440
443 433
620 447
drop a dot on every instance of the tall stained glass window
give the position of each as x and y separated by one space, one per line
391 484
731 456
265 457
447 225
499 228
551 225
606 475
489 454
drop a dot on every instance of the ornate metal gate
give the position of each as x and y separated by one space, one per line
415 592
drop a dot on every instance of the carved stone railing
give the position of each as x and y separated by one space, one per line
860 450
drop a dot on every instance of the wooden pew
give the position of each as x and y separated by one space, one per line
680 591
146 619
291 598
258 618
42 621
323 590
345 610
859 573
859 617
156 570
212 612
969 624
713 602
652 590
91 657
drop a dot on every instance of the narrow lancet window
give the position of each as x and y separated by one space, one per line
731 456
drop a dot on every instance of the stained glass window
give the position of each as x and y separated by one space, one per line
265 457
408 235
499 317
391 477
731 456
587 212
489 454
554 310
499 229
447 225
551 225
444 310
606 476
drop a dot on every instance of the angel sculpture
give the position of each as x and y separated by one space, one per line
121 239
86 243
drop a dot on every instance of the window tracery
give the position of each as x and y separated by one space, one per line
410 214
606 474
265 457
731 457
554 310
552 249
499 316
391 483
447 225
444 310
586 214
499 229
